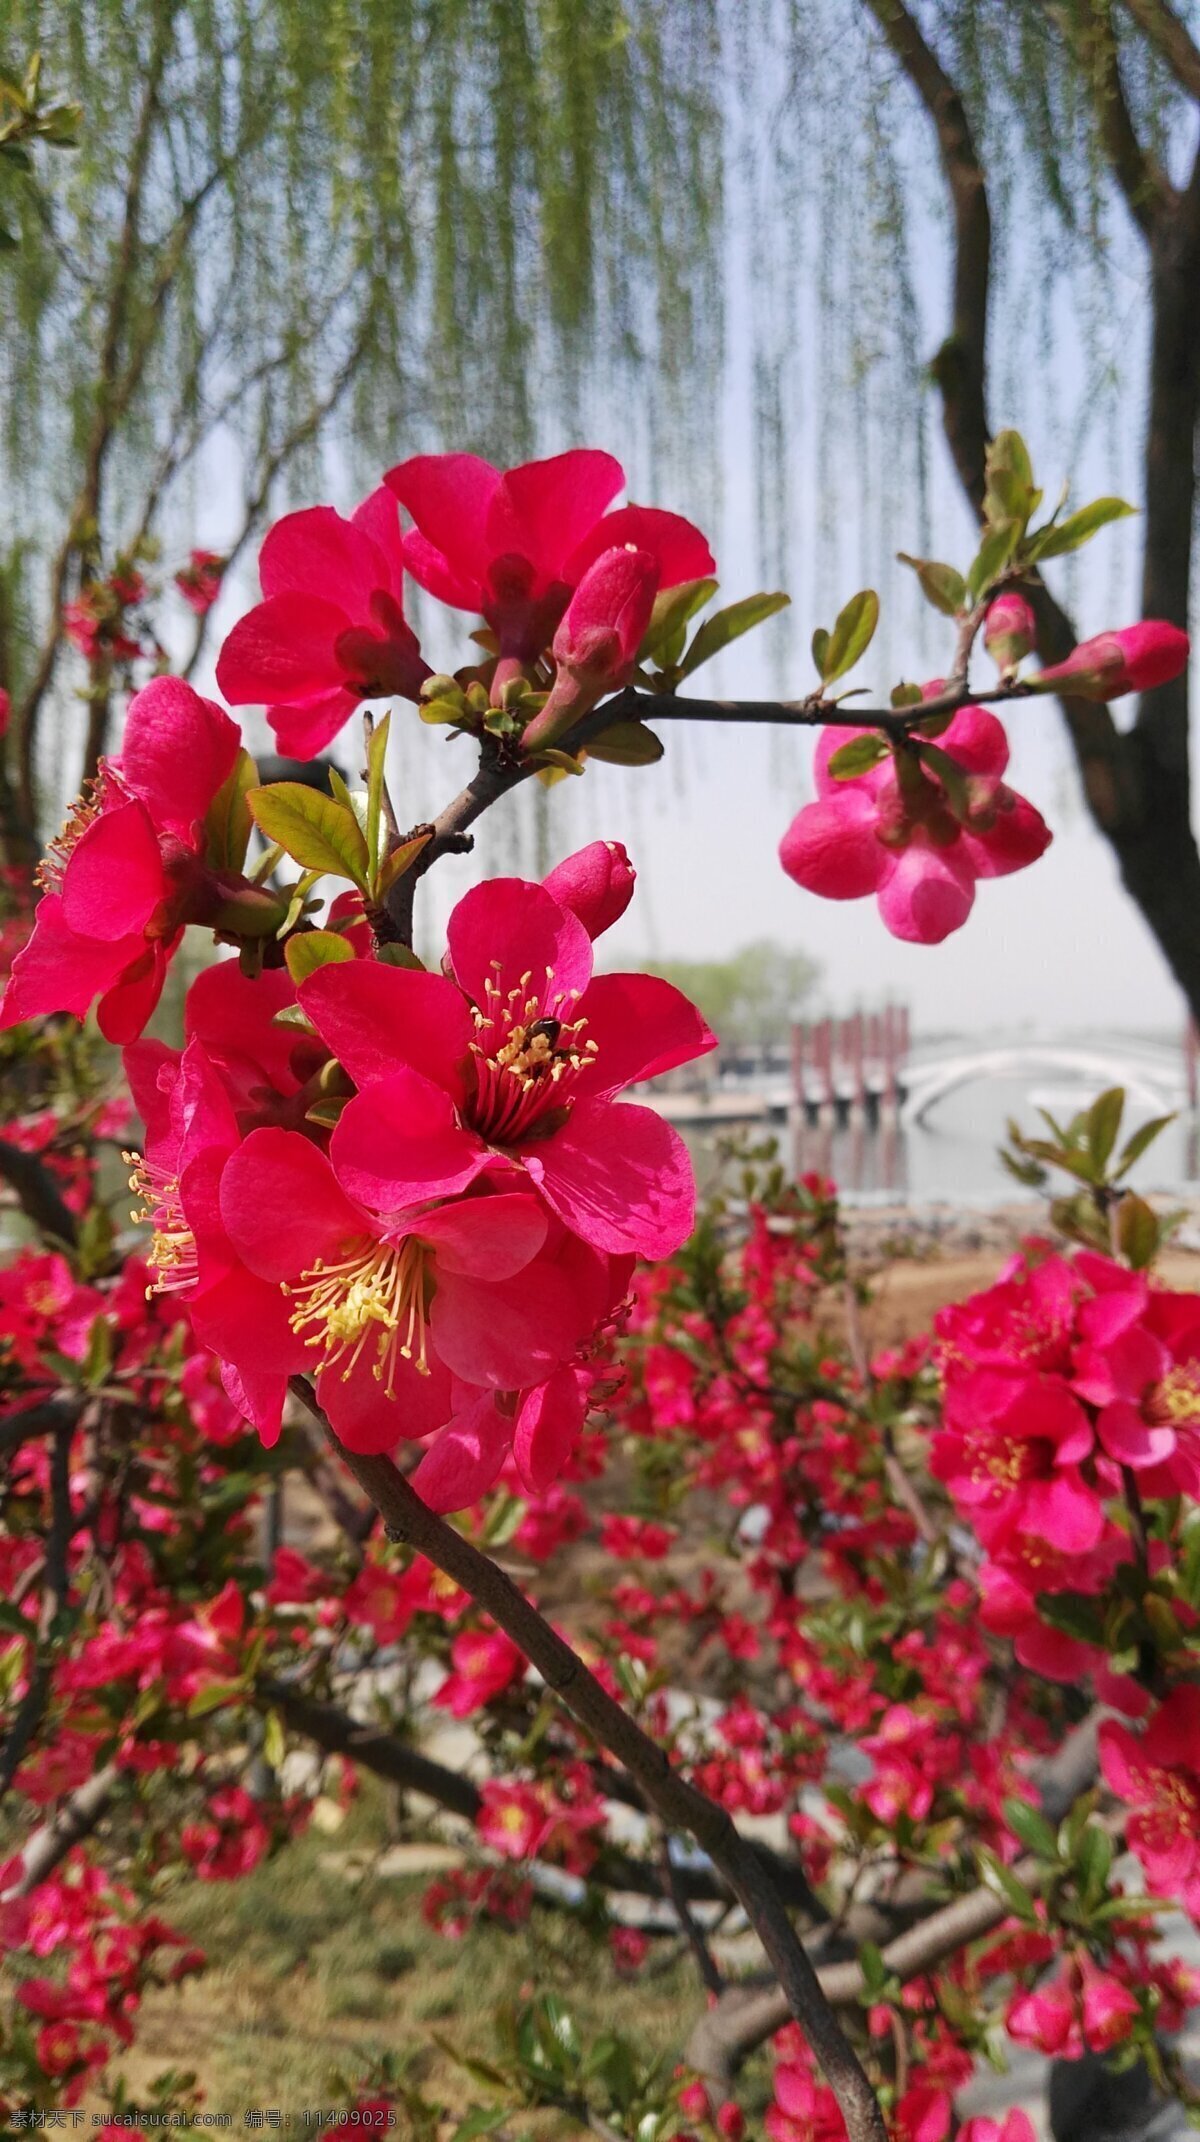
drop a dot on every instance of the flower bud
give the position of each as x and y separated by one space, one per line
596 644
1136 659
596 884
1009 631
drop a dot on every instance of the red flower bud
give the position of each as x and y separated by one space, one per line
1136 659
606 619
595 884
1009 631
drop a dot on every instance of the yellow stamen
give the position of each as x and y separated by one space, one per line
376 1290
172 1253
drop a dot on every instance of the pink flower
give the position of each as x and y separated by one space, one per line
514 1064
199 581
485 1662
416 1318
1158 1775
892 831
126 873
1011 1452
1016 2126
803 2110
232 1842
1009 631
513 546
1136 659
330 631
597 642
1143 1373
595 884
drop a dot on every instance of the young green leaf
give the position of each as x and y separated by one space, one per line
994 554
1078 527
228 823
312 949
376 763
1143 1137
729 624
1137 1231
312 828
674 609
941 585
627 743
1103 1121
820 648
400 860
852 634
857 757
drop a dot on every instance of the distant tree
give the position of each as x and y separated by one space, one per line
289 220
749 999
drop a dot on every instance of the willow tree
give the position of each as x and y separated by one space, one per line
293 219
1104 98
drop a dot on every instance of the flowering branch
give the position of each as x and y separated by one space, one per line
678 1803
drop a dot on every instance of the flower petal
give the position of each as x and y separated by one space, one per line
544 509
377 1020
303 730
547 1427
176 751
318 552
619 1176
448 496
114 878
509 933
464 1457
1017 837
59 971
366 1419
507 1335
1131 1439
831 847
681 551
640 1026
282 1205
484 1237
283 649
399 1142
127 1005
929 893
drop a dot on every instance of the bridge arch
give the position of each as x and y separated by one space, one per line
1160 1089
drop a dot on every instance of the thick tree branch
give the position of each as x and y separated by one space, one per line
960 365
37 1193
1090 32
1172 39
679 1804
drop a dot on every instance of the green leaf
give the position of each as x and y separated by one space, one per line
376 761
353 800
1134 1147
1079 527
1074 1614
1137 1231
852 634
228 822
627 743
994 554
941 585
729 624
952 778
1004 1884
399 956
400 860
674 609
857 757
906 695
1008 454
311 949
1094 1860
1032 1828
313 829
820 648
214 1696
1103 1121
274 1746
484 2120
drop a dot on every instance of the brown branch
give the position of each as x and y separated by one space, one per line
37 1193
678 1803
960 365
32 1707
74 1820
1171 39
1090 32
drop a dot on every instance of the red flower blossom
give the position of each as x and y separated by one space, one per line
199 581
1011 1453
1158 1775
330 631
513 1064
126 873
895 835
485 1662
1142 1369
514 546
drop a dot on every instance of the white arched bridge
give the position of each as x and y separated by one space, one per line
1153 1076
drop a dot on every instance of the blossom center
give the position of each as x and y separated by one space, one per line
526 1061
376 1294
1177 1398
87 807
172 1255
